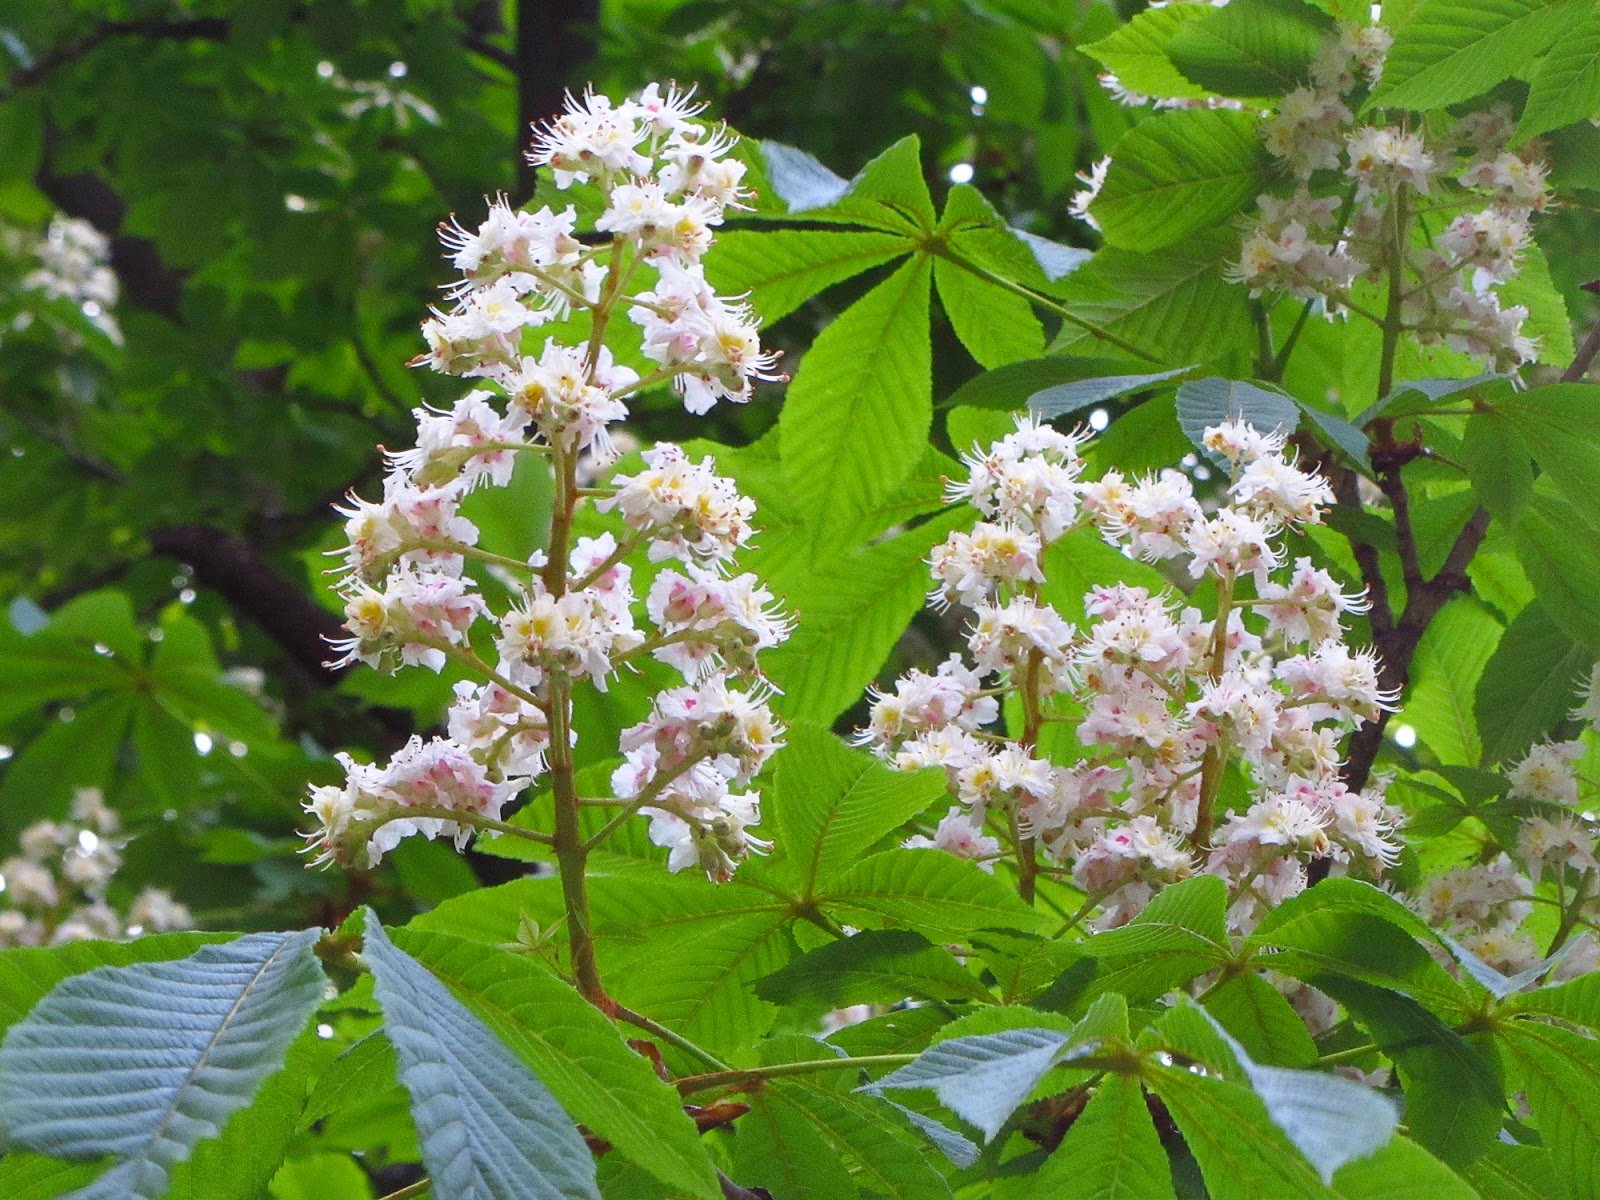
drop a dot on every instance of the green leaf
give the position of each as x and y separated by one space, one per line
1189 917
321 1177
858 412
37 1177
871 967
1560 425
1548 322
1177 174
1561 553
1560 1071
799 180
1136 53
888 193
1362 947
1112 1151
832 803
996 325
1402 1170
983 1078
1203 403
1077 395
930 891
781 269
1445 674
1505 1171
490 1130
1242 1154
575 1052
1266 1024
1566 84
1168 304
160 1054
1450 50
1251 48
1423 395
1526 687
851 614
1497 462
779 1148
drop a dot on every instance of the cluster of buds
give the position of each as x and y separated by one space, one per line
1486 905
1359 190
532 310
54 890
1162 699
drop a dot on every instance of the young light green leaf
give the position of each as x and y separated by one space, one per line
160 1056
1112 1151
1079 394
1560 551
1450 50
1177 174
851 613
983 1078
859 409
1445 673
996 325
1203 403
489 1128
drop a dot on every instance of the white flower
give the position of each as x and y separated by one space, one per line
1547 773
687 509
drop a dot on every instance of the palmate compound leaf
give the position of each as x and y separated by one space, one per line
489 1129
145 1061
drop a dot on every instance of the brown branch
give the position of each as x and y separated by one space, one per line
234 569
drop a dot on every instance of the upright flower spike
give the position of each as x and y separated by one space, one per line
1161 696
662 181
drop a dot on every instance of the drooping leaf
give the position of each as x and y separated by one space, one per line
1203 403
575 1052
1561 1072
1077 395
850 617
1177 174
161 1055
983 1078
1445 675
1168 305
490 1129
1527 684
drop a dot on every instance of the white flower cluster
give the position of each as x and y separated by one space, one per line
1164 700
1325 240
1486 905
662 181
54 890
70 263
